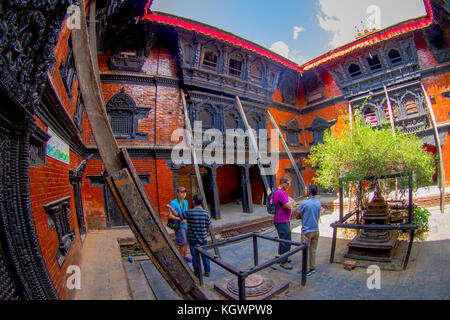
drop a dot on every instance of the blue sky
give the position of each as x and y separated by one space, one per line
300 30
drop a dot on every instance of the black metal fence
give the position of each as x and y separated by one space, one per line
243 274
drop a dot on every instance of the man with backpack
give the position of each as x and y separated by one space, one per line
283 204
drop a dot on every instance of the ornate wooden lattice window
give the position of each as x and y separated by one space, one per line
354 70
394 56
58 217
123 115
235 65
67 70
231 120
292 133
410 105
257 73
386 110
313 87
369 114
206 115
209 59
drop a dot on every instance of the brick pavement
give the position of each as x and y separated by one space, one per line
427 275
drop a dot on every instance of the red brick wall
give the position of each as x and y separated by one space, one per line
49 183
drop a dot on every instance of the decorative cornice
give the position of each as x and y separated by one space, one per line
143 80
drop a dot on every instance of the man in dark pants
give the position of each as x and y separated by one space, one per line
309 212
282 217
198 222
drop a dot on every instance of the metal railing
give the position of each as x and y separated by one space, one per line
242 274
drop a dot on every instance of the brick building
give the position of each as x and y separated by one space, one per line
53 180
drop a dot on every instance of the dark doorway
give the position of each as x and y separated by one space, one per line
114 217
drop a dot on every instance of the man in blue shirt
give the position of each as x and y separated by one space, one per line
198 227
309 212
177 211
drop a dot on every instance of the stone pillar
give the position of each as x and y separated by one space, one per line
246 189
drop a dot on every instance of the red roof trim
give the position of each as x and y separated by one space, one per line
334 54
388 33
219 35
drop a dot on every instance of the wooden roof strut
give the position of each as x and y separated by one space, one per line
125 185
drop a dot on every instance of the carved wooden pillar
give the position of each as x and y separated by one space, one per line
246 189
215 204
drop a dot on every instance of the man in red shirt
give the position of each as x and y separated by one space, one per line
282 217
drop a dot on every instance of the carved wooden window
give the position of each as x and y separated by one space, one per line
58 217
231 120
209 60
374 62
123 116
354 70
206 116
386 110
38 147
67 70
394 56
369 114
313 87
410 105
235 65
292 133
257 73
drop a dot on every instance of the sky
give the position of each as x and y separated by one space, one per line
299 30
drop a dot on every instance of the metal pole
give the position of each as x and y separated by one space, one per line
438 147
255 250
253 144
294 165
196 168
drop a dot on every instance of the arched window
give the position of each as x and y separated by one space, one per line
209 59
206 116
354 70
374 62
386 110
123 116
369 114
394 56
235 65
257 73
231 120
410 105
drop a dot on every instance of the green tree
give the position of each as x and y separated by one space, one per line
369 152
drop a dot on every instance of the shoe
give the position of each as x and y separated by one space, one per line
310 272
286 265
188 260
207 274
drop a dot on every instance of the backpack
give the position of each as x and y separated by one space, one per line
270 205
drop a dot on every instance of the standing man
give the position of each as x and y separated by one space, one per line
198 227
282 217
177 211
309 212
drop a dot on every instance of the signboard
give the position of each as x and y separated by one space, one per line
56 148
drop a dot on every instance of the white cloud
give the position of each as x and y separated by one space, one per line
342 18
297 30
281 48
